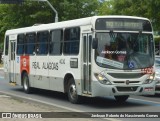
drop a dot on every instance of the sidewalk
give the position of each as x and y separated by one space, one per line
11 104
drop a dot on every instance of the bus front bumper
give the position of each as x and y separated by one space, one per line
99 89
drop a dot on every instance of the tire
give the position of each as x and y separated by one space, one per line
72 92
26 85
121 99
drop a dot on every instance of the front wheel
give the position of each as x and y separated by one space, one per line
26 85
72 92
121 99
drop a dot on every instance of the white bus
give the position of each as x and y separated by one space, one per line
94 56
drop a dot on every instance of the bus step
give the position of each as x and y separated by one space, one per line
12 83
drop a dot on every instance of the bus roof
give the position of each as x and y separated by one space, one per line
64 24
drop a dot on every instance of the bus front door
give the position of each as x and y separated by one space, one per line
12 61
87 41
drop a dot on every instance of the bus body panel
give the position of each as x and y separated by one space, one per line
18 74
61 69
6 68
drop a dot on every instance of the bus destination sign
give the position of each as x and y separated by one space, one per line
124 25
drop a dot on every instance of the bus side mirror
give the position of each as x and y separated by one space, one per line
95 43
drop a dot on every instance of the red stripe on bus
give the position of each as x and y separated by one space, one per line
25 64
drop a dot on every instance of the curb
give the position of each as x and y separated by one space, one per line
39 101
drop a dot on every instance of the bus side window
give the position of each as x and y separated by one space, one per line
42 42
56 42
20 44
30 43
71 41
6 45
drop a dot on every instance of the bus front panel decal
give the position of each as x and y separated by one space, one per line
25 64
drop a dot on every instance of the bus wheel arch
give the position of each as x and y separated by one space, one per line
22 74
25 82
70 89
66 81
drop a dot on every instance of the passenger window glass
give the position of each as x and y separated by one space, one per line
56 42
30 43
71 41
42 42
6 45
20 44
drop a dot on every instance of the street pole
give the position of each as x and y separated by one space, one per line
56 13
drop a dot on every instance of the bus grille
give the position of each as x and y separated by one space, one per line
124 89
123 82
126 75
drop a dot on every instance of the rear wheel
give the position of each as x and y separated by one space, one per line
26 85
121 99
72 92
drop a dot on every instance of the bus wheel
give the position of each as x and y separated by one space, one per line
72 92
121 99
26 86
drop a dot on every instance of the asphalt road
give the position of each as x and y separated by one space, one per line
103 104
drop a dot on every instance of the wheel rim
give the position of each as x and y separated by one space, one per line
25 83
72 91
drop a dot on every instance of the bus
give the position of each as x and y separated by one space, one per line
95 56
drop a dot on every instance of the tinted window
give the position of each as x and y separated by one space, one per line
6 45
56 42
30 43
71 41
42 42
12 50
20 44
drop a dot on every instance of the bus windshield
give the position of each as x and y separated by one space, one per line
124 50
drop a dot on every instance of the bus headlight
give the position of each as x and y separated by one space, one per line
102 79
150 79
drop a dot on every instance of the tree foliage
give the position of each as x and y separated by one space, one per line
105 7
31 12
